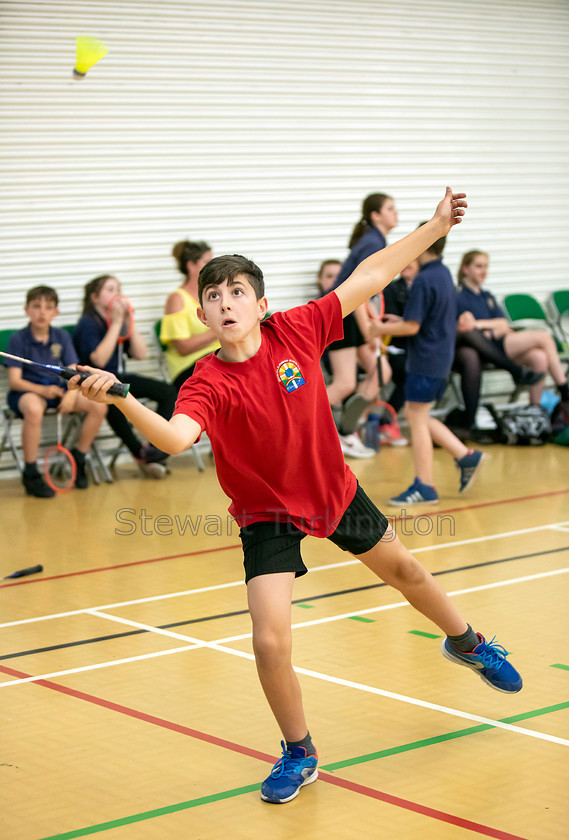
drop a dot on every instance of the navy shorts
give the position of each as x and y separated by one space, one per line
272 547
424 389
13 398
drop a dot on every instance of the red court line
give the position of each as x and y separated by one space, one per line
388 798
429 513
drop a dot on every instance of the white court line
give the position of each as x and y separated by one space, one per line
403 698
220 586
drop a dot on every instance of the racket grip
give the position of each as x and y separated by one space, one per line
33 570
118 389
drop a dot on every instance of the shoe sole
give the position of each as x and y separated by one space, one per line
363 455
352 411
474 475
457 661
308 781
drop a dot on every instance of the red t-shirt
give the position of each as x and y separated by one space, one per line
277 451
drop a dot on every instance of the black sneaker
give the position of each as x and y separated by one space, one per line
81 480
36 486
529 377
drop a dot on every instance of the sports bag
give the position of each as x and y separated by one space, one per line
528 425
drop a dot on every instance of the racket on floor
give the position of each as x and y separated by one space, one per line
59 467
119 389
126 328
32 570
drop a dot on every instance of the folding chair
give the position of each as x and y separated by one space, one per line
558 308
161 351
525 310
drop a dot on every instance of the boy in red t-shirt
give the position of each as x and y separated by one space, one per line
262 400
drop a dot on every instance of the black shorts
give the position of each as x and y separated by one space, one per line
352 335
272 547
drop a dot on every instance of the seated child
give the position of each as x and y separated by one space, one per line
33 390
97 342
263 402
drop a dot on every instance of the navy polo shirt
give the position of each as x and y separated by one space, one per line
373 240
88 334
432 303
57 350
482 304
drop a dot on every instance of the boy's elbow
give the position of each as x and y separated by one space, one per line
413 327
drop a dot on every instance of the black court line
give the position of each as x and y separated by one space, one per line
218 616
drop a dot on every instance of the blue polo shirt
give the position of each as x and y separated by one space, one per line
373 240
57 350
432 303
88 334
482 304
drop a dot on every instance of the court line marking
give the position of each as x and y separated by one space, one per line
409 518
247 751
231 584
219 646
295 602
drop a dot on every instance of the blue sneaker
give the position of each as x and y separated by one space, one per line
468 467
416 493
293 770
489 660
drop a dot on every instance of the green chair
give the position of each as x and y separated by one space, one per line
524 310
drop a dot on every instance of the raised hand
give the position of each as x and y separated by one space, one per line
451 209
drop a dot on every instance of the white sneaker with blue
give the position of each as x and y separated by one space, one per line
416 493
293 770
489 661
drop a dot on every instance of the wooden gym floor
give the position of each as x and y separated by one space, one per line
131 706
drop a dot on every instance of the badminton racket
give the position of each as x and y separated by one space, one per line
126 328
118 389
32 570
59 467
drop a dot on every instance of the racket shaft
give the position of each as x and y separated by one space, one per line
119 389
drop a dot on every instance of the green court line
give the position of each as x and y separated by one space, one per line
425 635
305 606
157 812
228 794
438 739
563 667
361 618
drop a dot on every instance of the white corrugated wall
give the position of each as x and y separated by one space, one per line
260 126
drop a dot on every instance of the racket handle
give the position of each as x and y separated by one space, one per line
33 570
118 389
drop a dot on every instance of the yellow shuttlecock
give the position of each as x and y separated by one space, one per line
89 52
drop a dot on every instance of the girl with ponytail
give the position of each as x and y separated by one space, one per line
379 216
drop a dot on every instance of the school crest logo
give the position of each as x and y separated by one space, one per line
289 374
56 351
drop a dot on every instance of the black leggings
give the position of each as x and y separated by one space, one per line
160 392
473 349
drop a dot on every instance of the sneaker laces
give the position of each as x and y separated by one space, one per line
287 764
493 656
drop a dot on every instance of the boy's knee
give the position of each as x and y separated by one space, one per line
271 649
32 410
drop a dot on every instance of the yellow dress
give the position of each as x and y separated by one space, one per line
181 325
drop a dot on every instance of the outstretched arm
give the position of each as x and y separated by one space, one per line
375 272
172 436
